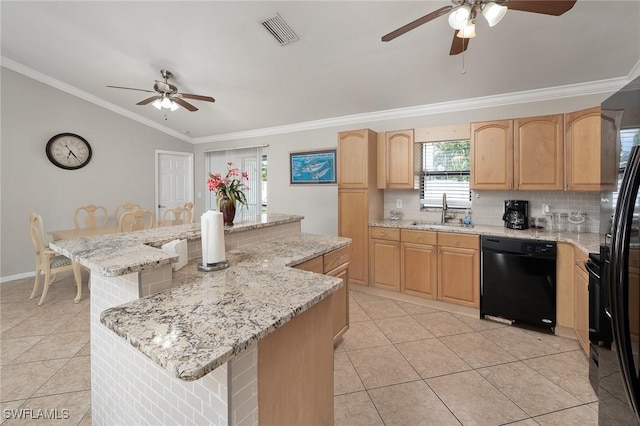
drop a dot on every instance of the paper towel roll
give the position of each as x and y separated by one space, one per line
212 228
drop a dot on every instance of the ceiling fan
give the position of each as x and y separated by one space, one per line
167 95
464 12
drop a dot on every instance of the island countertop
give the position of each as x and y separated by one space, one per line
112 255
211 316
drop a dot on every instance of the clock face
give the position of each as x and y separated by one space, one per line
68 151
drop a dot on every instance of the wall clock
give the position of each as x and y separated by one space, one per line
68 151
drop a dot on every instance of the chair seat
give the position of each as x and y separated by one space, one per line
60 261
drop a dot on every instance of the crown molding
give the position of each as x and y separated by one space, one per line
536 95
50 81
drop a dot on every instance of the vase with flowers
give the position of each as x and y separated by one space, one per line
229 190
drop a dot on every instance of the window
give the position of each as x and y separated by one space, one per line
248 160
445 169
628 139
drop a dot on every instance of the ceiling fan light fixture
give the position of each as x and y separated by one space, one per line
174 106
493 12
468 31
459 17
157 104
166 102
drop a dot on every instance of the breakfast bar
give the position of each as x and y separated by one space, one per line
251 343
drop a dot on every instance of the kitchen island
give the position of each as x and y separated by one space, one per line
250 343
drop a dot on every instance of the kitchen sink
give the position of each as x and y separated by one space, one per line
456 223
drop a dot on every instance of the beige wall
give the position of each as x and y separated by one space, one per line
122 168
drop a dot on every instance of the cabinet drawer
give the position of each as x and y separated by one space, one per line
335 258
313 265
381 233
419 237
451 239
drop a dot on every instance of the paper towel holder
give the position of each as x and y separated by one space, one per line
210 267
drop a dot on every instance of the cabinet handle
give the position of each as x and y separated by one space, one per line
340 257
418 238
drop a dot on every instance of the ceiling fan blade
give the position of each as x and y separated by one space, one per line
197 97
555 8
458 45
148 100
184 104
415 24
131 88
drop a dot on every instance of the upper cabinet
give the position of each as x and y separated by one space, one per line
356 159
525 154
539 152
492 155
591 148
395 160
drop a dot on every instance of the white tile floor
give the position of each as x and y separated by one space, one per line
401 363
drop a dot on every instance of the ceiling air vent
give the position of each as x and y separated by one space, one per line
279 29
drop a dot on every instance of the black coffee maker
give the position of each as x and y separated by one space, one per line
516 214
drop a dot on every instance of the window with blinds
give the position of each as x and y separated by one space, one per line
445 169
250 160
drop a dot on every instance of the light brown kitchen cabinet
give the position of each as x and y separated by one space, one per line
492 155
565 307
524 154
395 169
634 293
539 152
335 264
581 319
459 269
589 166
359 201
385 258
419 263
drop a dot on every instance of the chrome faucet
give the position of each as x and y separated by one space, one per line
444 207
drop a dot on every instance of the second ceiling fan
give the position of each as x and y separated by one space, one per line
464 13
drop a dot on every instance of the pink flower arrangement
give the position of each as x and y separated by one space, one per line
232 186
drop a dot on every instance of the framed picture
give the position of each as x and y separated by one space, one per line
313 167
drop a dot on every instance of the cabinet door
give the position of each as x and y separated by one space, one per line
539 153
313 265
492 155
459 276
385 264
399 164
581 287
610 148
419 270
582 147
340 303
353 158
352 223
565 285
634 294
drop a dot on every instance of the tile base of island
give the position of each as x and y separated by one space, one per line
249 345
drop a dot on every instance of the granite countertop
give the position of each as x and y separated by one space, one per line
113 255
209 317
587 242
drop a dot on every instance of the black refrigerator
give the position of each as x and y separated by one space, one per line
618 363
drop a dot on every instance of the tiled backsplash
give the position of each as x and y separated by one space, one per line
487 205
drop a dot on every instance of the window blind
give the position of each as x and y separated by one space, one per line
445 169
246 160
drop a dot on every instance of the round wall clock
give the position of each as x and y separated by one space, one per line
68 151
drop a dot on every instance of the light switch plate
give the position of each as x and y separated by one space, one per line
398 204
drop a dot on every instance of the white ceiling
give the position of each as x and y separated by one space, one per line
338 67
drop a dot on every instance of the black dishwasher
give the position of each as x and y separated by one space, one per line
518 281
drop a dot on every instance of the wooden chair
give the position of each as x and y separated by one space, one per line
176 216
192 211
49 262
136 220
126 207
90 216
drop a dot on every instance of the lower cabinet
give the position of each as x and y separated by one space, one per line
419 263
459 269
436 265
384 264
581 309
335 264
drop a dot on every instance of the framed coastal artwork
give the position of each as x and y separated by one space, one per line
313 167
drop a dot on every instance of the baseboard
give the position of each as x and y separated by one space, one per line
17 276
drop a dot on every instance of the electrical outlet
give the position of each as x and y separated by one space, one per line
545 209
398 204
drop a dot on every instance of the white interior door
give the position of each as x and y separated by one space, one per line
174 180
